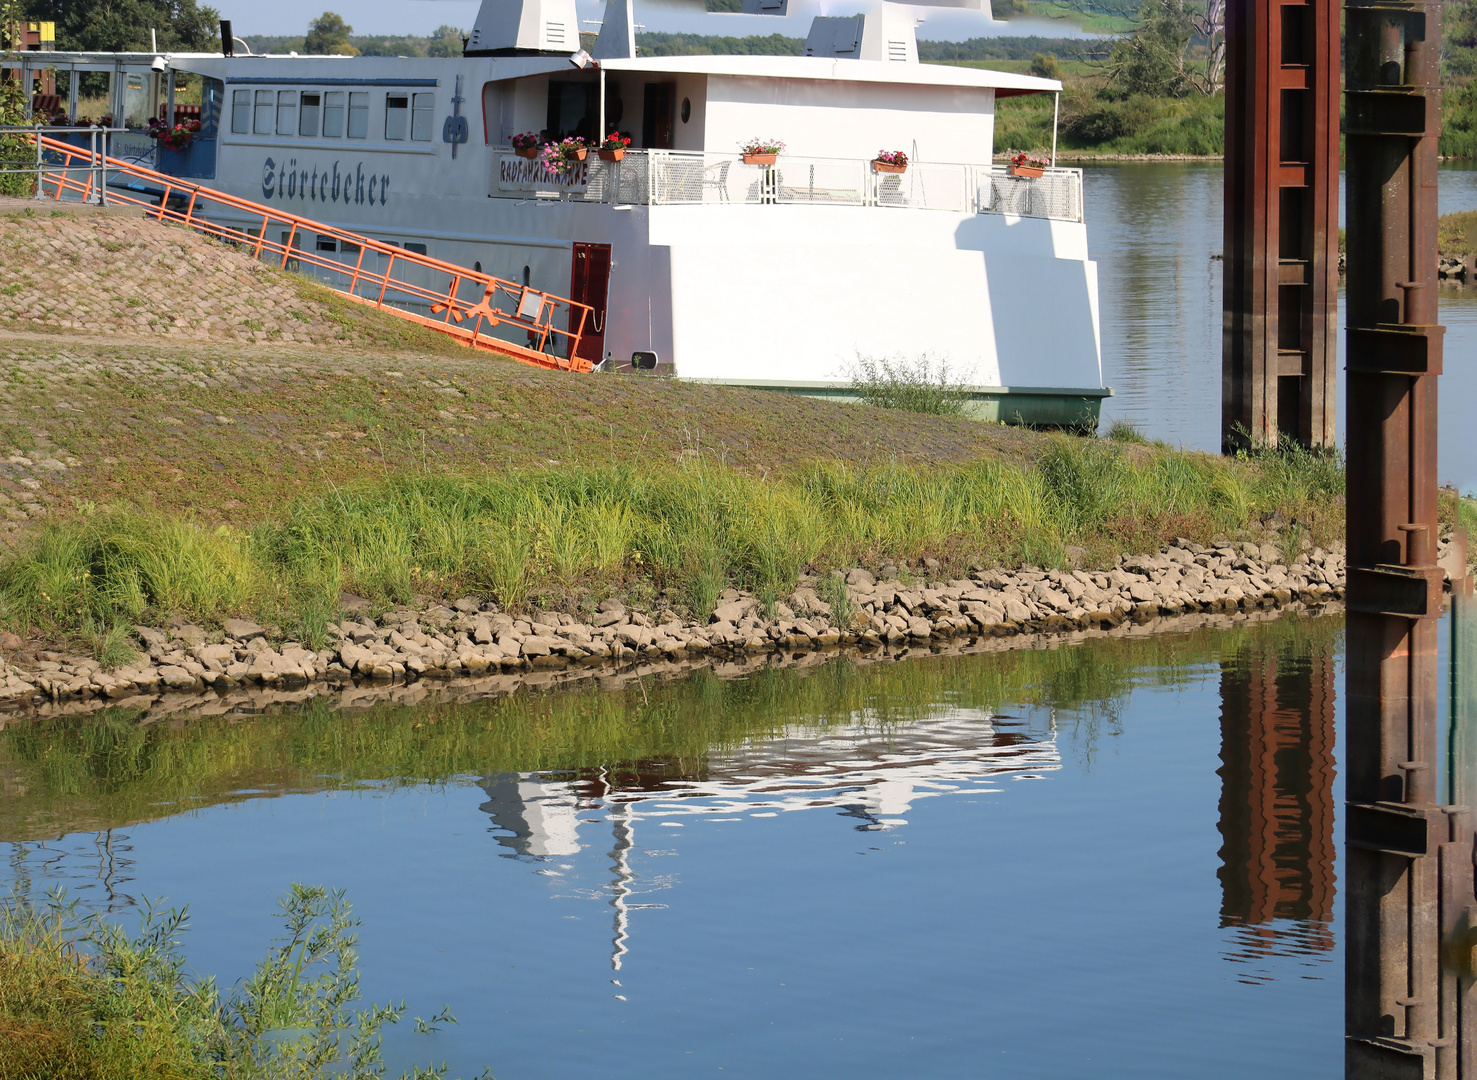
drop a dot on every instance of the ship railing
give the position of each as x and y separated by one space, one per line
476 309
687 178
1056 194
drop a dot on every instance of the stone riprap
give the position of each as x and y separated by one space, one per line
251 699
472 638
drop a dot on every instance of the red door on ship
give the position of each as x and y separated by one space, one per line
589 284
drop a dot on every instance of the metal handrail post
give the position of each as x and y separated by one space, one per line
40 194
1056 115
102 171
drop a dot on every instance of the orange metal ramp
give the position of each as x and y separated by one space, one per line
550 322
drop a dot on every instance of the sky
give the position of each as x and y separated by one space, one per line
423 16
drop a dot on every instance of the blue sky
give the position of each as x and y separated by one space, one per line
423 16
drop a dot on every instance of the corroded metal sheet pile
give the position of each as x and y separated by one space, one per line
1279 357
1408 1004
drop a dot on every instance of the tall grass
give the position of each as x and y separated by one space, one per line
688 531
82 999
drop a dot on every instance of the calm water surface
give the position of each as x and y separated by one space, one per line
1114 859
1153 229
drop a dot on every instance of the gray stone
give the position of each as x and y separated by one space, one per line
242 629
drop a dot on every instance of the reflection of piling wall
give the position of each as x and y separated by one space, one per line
1276 810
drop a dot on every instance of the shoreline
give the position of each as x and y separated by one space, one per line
472 640
614 675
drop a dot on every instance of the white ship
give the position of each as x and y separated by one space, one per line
695 262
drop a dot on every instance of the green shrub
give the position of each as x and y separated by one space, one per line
921 385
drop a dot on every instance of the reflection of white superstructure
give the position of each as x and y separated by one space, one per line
875 773
756 272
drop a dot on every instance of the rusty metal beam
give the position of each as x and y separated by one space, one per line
1409 858
1278 357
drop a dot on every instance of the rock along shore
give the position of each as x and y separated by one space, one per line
406 652
473 638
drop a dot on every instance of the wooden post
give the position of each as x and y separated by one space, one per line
1278 357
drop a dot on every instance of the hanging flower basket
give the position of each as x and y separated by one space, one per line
562 156
177 138
614 147
1029 167
890 161
526 145
761 151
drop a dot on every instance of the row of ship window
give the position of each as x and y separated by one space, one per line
329 114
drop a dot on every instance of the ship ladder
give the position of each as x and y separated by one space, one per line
471 305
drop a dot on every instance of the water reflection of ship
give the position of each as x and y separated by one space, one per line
873 773
1276 809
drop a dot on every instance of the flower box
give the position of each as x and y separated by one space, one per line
526 151
760 159
888 167
612 155
578 153
1030 171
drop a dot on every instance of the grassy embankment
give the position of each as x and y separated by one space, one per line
184 470
232 458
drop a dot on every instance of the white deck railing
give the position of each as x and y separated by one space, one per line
678 177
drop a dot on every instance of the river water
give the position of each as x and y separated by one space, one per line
1154 229
1114 858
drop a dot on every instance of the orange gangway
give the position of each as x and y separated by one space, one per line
497 303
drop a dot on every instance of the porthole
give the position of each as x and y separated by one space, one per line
686 109
477 266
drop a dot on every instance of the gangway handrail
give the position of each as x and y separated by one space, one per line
531 310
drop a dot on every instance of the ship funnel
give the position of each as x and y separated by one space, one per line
525 28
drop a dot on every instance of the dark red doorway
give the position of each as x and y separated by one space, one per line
589 284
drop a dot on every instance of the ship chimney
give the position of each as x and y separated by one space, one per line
525 28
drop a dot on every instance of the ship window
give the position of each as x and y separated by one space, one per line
212 102
347 248
420 117
308 118
326 243
397 115
265 105
574 110
240 111
286 112
359 114
333 114
419 249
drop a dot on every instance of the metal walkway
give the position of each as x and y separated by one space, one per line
471 305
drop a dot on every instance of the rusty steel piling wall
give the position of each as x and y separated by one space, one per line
1409 858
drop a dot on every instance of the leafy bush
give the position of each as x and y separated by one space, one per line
81 999
919 385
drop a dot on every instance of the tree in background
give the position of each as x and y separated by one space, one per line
1045 66
124 25
328 35
446 41
14 150
1153 59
